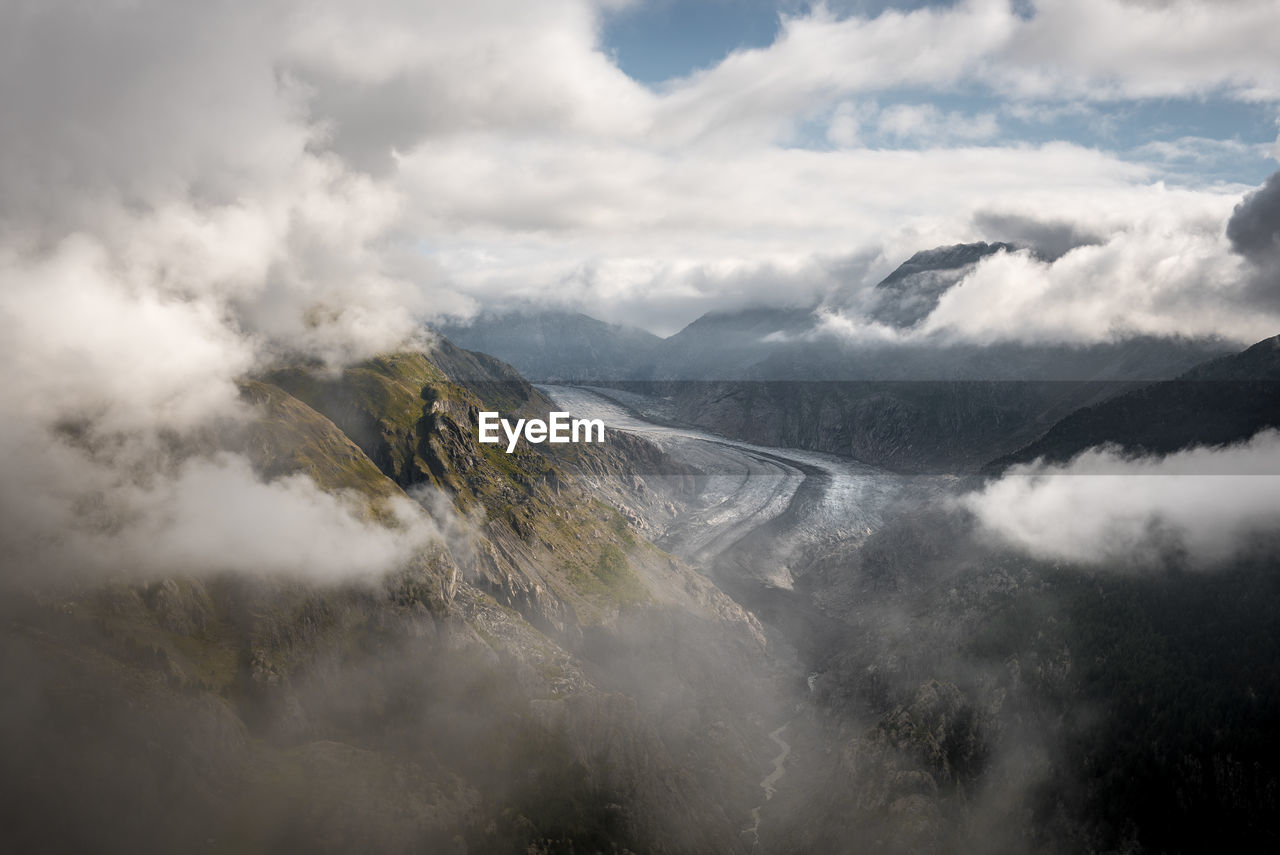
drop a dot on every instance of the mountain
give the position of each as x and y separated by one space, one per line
720 345
911 292
1219 402
553 345
542 678
767 344
775 377
942 410
538 677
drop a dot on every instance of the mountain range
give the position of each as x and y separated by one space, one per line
1223 401
771 344
774 376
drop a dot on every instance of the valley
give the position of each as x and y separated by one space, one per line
670 641
803 498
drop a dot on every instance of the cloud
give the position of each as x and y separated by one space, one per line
927 122
1152 270
216 515
1254 233
1203 151
365 171
1167 275
77 501
846 126
1049 238
650 226
169 222
1198 506
395 73
854 123
1094 50
1110 49
1254 227
819 58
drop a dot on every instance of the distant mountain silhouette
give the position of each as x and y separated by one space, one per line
912 291
1219 402
555 345
764 343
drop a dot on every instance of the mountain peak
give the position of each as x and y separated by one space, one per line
913 290
944 258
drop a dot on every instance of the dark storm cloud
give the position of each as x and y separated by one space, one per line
1254 233
1254 227
1049 239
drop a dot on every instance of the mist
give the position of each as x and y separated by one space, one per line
1195 508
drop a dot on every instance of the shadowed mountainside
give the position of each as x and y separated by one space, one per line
542 677
1220 402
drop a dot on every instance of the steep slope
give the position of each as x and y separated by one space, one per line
541 678
1222 401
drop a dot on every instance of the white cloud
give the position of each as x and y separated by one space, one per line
927 122
846 126
1157 264
217 515
819 59
1095 50
1200 150
1199 505
1108 49
1169 274
120 507
168 222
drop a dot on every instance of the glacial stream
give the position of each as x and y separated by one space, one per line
769 782
788 498
757 513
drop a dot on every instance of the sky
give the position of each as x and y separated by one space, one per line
716 154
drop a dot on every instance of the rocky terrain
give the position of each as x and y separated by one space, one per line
1223 401
963 697
675 641
541 679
